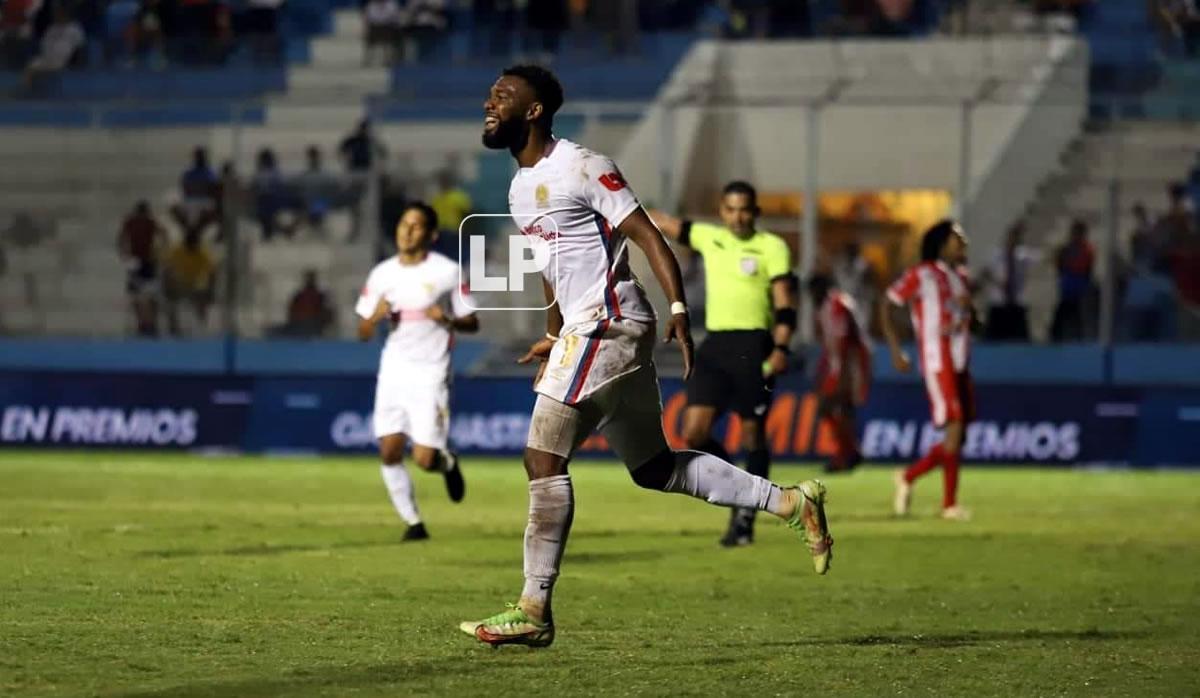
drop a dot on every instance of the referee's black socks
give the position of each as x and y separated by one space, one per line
714 447
758 462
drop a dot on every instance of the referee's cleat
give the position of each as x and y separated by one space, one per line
510 627
455 486
415 532
809 521
741 529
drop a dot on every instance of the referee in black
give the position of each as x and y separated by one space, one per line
750 316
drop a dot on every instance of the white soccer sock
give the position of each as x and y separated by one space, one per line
400 489
704 476
551 509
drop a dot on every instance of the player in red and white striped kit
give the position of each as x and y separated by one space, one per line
844 369
938 297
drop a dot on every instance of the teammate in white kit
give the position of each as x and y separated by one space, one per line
596 368
419 292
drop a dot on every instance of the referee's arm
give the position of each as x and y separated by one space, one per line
784 301
674 229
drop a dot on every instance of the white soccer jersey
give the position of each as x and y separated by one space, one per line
577 198
417 348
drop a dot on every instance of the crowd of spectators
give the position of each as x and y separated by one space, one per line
177 282
1156 279
44 37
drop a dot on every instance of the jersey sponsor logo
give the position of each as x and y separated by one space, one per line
536 230
613 181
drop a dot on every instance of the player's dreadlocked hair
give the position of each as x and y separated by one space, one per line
545 85
935 238
431 218
819 285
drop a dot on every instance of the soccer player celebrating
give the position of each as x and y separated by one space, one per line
418 292
750 318
940 303
596 368
843 371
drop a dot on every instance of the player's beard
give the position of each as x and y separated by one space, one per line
507 135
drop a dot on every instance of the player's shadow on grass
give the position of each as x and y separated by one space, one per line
265 549
938 641
336 679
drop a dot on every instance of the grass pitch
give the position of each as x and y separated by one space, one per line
181 576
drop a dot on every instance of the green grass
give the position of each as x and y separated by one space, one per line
173 575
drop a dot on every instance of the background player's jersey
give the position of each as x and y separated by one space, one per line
586 197
739 273
838 329
417 348
939 301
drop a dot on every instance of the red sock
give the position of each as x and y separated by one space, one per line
929 462
949 480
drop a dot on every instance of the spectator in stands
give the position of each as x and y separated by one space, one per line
1182 20
16 31
1075 262
316 190
381 35
206 31
200 194
309 312
270 196
140 245
1142 237
1148 304
60 45
260 23
855 276
1193 186
546 20
190 273
422 25
452 204
359 151
147 33
492 26
1004 279
1179 220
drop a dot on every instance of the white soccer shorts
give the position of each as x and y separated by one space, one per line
420 412
627 411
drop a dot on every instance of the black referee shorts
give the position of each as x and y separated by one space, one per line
728 374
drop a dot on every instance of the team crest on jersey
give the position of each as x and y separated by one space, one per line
749 266
428 288
542 196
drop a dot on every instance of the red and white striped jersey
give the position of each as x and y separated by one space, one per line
838 329
940 303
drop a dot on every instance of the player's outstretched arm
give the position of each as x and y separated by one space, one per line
638 228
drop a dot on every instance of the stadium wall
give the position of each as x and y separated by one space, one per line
293 398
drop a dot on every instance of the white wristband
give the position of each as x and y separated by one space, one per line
678 308
551 337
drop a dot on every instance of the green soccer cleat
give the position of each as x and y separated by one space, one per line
809 521
511 627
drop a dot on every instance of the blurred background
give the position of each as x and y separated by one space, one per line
194 191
